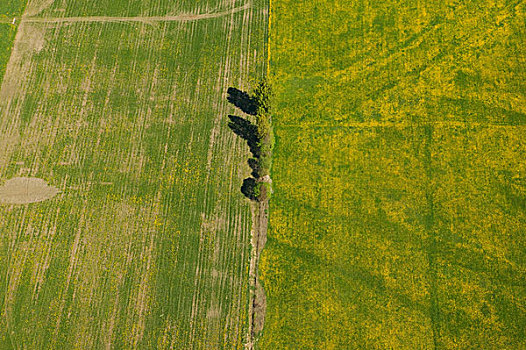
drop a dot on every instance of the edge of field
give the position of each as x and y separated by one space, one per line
260 217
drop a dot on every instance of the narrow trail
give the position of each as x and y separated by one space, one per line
140 19
258 303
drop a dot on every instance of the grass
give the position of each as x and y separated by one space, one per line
7 35
147 246
12 8
398 169
8 9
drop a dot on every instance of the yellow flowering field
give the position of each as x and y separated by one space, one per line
399 172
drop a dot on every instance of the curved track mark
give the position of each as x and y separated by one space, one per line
143 19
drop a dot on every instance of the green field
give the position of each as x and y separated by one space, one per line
147 245
7 35
8 9
399 172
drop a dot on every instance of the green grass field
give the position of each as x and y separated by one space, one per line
8 9
399 173
147 245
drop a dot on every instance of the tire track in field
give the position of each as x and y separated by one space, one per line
139 19
430 244
402 124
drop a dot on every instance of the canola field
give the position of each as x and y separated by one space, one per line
399 169
122 107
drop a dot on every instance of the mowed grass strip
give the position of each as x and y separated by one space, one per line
147 245
399 173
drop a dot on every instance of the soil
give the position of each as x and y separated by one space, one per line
24 190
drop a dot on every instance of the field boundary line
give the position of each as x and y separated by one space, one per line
260 219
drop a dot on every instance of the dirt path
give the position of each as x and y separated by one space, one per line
140 19
258 303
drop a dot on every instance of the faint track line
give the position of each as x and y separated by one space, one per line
403 124
138 19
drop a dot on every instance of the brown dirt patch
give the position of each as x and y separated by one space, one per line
24 190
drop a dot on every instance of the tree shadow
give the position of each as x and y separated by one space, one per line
253 163
248 131
242 100
249 188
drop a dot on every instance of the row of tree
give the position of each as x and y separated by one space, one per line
258 136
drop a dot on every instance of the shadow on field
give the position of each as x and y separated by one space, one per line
242 100
248 131
257 135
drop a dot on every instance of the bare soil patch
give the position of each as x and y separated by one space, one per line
24 190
